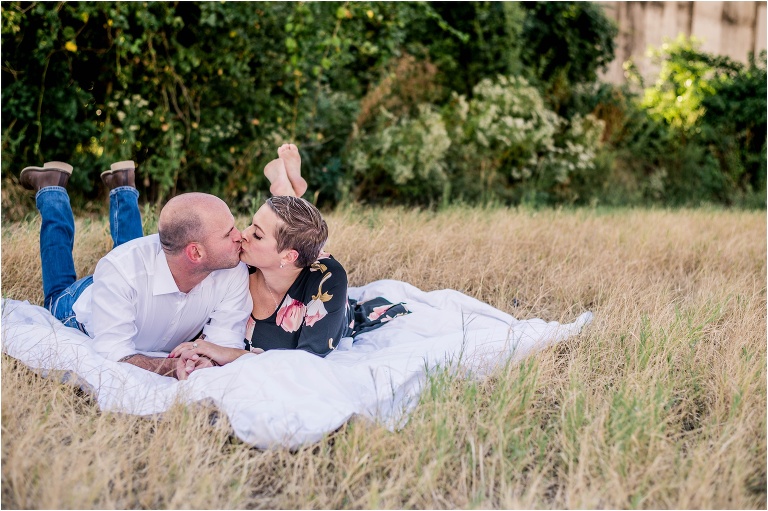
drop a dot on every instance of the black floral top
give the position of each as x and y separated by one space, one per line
315 314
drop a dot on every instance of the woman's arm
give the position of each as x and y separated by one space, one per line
325 320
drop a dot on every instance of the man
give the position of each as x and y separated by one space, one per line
149 293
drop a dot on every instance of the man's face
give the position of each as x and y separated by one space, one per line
222 243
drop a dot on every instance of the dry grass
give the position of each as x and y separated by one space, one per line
661 403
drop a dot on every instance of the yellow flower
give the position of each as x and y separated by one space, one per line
370 14
70 46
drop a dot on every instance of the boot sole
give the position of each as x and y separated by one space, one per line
59 166
119 167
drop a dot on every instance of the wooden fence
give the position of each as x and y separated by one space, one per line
725 28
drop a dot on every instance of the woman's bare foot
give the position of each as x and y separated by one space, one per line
289 153
278 177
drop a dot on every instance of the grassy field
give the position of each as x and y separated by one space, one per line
660 403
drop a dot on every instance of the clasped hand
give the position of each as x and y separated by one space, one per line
192 356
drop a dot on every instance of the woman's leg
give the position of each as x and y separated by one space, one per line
289 153
284 174
278 179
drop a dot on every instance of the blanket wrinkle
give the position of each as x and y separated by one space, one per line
289 397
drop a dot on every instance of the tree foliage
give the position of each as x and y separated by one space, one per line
200 94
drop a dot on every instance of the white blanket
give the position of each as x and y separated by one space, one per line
289 397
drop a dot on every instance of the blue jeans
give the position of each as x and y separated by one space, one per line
57 237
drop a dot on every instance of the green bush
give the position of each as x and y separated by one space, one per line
710 114
507 145
401 159
734 128
630 165
502 145
565 44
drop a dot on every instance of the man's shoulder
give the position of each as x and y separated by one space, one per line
146 244
136 256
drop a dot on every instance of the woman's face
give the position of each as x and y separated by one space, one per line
259 243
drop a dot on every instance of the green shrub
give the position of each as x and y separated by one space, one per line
734 127
503 145
701 127
507 145
401 159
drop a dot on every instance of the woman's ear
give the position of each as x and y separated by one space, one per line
290 256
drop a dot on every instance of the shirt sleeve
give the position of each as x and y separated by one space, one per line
113 312
325 319
226 325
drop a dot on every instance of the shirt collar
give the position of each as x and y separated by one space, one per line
164 282
163 278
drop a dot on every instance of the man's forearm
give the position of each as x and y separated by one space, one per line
161 366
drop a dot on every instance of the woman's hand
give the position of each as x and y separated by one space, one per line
218 354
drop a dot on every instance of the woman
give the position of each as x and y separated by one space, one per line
299 293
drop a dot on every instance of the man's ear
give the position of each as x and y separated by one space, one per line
194 252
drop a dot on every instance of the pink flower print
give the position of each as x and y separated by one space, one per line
315 312
316 307
378 311
249 328
291 314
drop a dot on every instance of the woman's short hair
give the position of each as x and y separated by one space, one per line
303 228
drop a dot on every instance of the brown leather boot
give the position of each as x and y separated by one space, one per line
52 173
121 173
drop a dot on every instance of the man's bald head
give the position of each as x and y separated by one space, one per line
182 219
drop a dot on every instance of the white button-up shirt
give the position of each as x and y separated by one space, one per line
134 305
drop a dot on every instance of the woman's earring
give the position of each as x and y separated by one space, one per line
282 264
